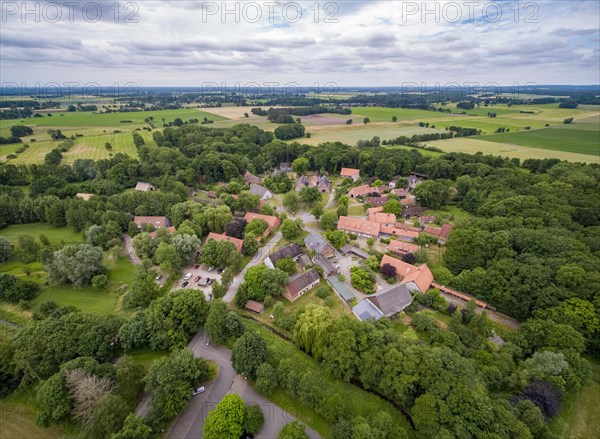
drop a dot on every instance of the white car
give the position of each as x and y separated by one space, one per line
188 276
199 390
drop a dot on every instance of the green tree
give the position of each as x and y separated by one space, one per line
310 195
292 430
27 248
226 421
133 428
142 290
433 194
169 258
171 380
286 264
251 245
337 238
6 249
290 201
172 319
253 419
260 281
143 244
249 352
186 246
317 211
311 330
214 219
257 227
328 220
108 417
53 401
215 323
76 264
130 375
366 120
300 165
291 229
362 280
100 281
393 206
266 379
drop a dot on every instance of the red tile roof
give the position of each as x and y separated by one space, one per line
255 306
349 172
421 276
365 189
409 235
171 230
358 226
402 247
272 221
446 229
237 242
382 218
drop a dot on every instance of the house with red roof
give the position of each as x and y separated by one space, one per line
223 237
352 173
415 278
272 221
359 227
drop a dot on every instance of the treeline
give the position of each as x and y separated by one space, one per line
284 115
453 382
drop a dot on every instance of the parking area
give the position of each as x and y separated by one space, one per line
199 273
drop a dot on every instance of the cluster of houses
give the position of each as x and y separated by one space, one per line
392 300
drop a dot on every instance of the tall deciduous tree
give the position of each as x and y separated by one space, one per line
248 353
226 420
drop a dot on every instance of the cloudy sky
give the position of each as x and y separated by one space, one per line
349 43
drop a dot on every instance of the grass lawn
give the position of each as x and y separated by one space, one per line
451 214
357 210
17 419
579 416
54 234
381 114
146 357
300 411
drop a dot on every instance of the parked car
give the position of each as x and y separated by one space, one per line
211 268
209 281
185 284
203 282
209 297
196 266
197 278
220 270
199 390
188 276
159 277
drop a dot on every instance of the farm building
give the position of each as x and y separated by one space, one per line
410 211
341 288
170 230
223 237
350 249
155 221
272 221
402 234
144 187
352 173
317 243
360 227
366 310
415 278
301 183
293 251
391 301
300 284
85 197
324 185
361 191
251 179
377 201
402 248
325 264
254 306
261 191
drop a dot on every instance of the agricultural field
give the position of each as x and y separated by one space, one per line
578 138
351 134
87 299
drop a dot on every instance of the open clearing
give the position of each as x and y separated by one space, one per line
471 145
54 234
577 138
351 134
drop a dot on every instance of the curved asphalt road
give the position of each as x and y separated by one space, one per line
190 422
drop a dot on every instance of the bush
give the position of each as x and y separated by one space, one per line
100 281
253 419
323 292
